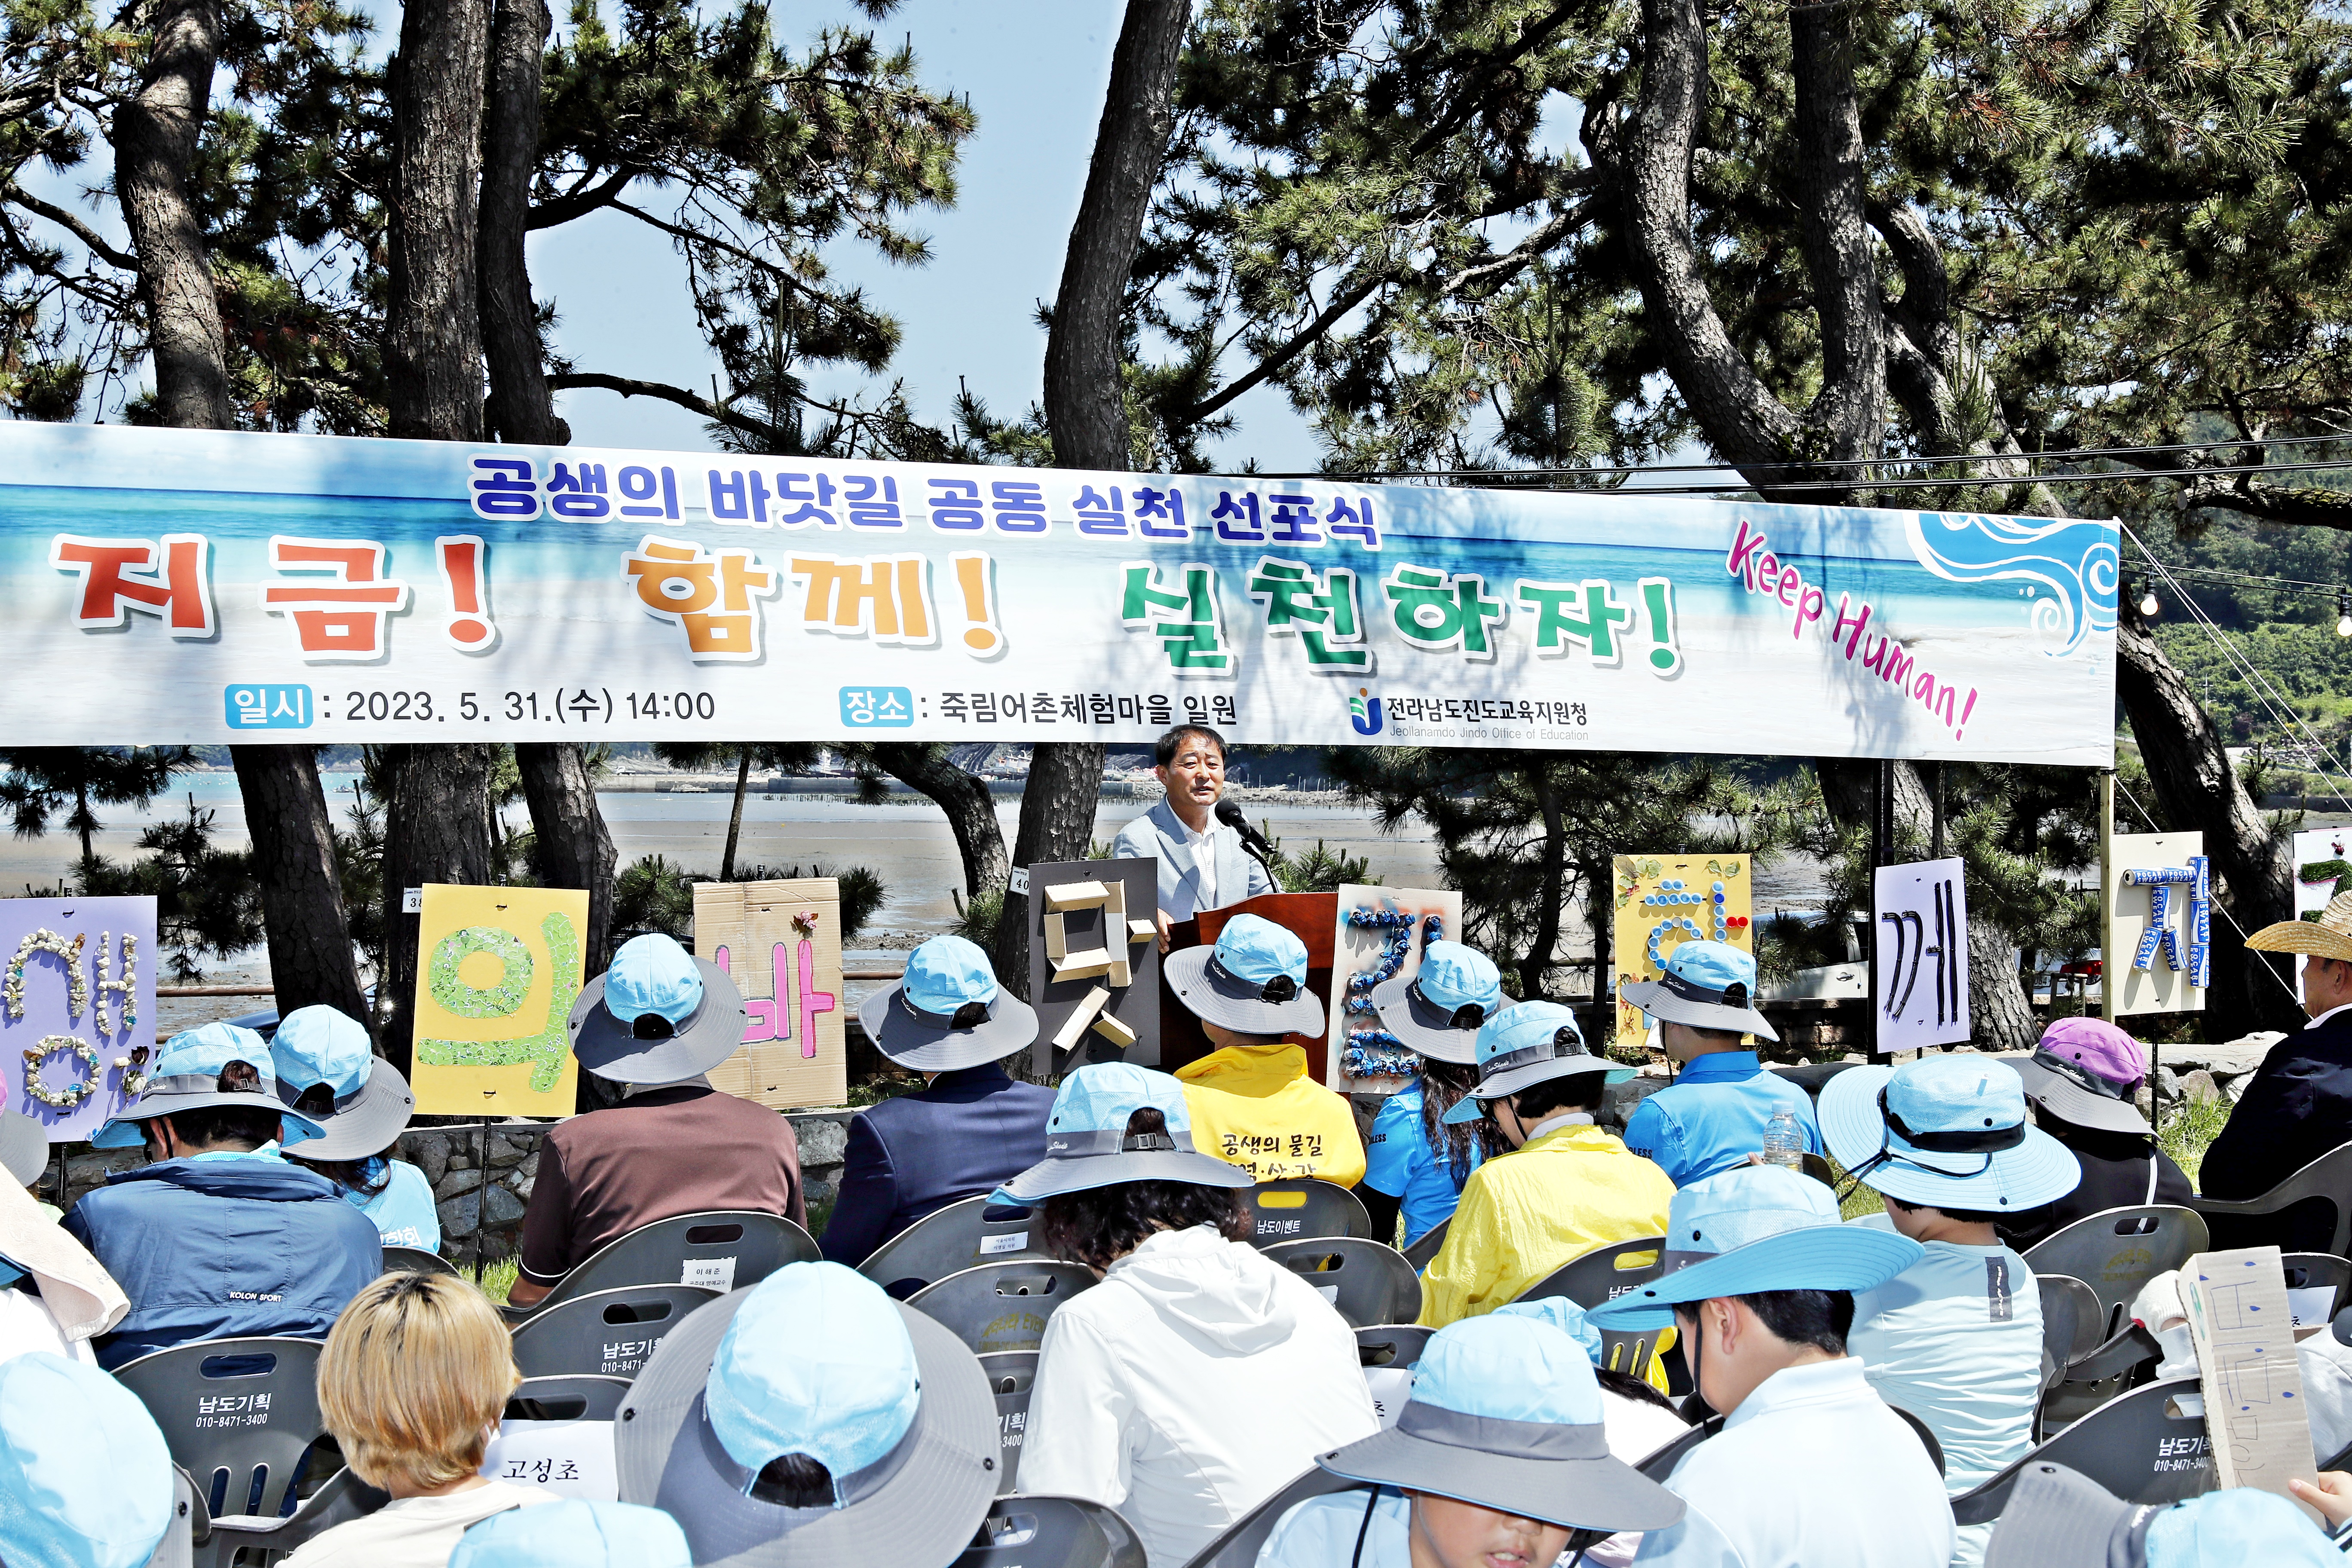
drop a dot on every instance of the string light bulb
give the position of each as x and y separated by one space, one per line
2344 614
2147 605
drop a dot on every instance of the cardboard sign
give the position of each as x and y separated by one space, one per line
1094 964
1380 934
2157 953
77 1008
2244 1334
497 972
780 943
1664 901
1920 988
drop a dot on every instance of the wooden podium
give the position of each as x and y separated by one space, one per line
1313 918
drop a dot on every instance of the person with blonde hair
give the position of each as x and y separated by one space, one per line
414 1377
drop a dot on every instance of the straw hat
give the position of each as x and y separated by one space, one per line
2329 936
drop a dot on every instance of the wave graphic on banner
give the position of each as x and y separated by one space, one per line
2075 563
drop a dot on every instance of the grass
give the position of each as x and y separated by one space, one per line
494 1279
2190 1130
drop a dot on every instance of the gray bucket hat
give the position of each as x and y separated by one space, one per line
324 1056
1088 1145
1706 984
658 1014
1525 1044
1438 1009
813 1361
1253 980
188 1075
947 1012
24 1146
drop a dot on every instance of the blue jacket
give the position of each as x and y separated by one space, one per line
210 1249
1712 1116
969 1132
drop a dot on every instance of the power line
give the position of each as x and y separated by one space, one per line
1743 486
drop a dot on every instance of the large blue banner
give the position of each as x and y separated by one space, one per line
181 587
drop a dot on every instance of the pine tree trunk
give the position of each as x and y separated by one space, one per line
434 832
575 848
1543 943
1057 823
963 796
301 889
433 345
735 817
521 408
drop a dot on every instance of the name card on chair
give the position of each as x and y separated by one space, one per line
565 1458
2244 1334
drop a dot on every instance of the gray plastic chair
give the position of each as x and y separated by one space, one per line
1367 1282
1299 1208
2327 1178
1238 1545
2310 1270
1012 1374
217 1543
2138 1446
1391 1345
178 1547
750 1246
1426 1245
1603 1273
2118 1252
2070 1326
1053 1532
239 1416
950 1240
567 1398
1002 1305
606 1333
415 1260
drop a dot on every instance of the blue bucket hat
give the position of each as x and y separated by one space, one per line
574 1534
947 1012
1526 1045
1706 984
1564 1315
85 1477
658 1014
1506 1414
2058 1518
188 1076
359 1099
1945 1130
813 1361
1253 980
1088 1145
1751 1228
1439 1009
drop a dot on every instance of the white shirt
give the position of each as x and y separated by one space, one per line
413 1532
1203 846
1812 1471
2324 1016
27 1325
1188 1388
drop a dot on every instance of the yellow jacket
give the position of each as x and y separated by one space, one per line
1526 1212
1253 1106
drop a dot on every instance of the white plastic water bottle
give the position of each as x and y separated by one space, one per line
1784 1141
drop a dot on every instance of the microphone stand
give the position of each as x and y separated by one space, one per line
1253 841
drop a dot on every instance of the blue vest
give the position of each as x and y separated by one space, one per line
1712 1116
968 1133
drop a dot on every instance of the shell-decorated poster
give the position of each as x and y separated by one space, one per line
77 1008
497 972
1664 901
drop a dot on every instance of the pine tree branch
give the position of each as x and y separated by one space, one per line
581 203
693 402
89 236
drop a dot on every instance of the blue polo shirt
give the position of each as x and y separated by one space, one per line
1712 1116
1399 1160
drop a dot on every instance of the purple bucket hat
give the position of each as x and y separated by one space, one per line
2087 1071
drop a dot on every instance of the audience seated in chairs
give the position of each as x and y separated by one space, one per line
1712 1117
970 1126
1811 1470
1499 1457
657 1021
1251 1100
85 1478
1415 1161
574 1535
2298 1104
218 1237
2324 1360
329 1071
2058 1519
1956 1339
1567 1186
413 1381
2082 1080
1199 1377
59 1299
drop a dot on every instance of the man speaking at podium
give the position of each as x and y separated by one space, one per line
1203 863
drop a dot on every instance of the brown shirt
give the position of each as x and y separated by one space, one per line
667 1152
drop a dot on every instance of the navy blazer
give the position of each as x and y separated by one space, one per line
968 1133
2296 1106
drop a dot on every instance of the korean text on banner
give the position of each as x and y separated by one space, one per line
1920 991
779 942
77 1008
497 972
331 591
1664 901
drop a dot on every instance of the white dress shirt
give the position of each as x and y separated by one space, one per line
1204 856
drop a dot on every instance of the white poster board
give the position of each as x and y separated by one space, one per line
564 1459
2313 848
1919 990
2157 953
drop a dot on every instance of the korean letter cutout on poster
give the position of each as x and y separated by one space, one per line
2159 947
1381 933
1920 912
779 942
77 1008
497 972
1664 901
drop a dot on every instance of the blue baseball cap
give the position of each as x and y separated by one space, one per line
187 1076
1439 1009
1506 1413
1523 1046
947 1012
574 1534
1751 1228
1088 1145
2056 1517
85 1477
813 1361
1706 984
1945 1130
326 1057
660 1015
1253 981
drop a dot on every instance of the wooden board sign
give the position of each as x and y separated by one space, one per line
780 943
2157 953
1094 964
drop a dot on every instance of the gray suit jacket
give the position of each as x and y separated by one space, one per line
1159 832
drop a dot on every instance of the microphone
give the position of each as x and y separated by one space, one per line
1230 813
